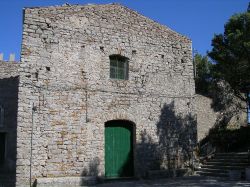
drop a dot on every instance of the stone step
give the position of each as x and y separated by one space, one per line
220 174
228 160
225 167
222 163
212 174
232 154
218 170
244 157
211 163
231 157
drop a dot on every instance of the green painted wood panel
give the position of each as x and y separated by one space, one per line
118 149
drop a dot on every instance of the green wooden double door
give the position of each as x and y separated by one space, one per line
119 149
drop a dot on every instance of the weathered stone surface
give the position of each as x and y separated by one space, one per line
66 95
210 114
206 116
8 69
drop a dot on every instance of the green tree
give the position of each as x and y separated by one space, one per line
203 76
231 53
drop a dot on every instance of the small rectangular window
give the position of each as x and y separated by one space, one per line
118 67
2 147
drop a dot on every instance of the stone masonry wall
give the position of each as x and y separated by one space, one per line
8 101
208 114
8 69
66 94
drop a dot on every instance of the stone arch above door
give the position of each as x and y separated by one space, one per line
118 116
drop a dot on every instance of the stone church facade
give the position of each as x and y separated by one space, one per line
103 91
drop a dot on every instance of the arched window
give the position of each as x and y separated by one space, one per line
118 67
1 116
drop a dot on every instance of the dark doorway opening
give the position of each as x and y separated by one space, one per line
2 148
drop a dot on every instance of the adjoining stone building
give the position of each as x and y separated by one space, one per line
103 91
8 119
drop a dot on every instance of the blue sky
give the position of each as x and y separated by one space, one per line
197 19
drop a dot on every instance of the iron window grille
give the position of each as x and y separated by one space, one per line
118 67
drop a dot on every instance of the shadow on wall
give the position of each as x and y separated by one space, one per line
91 170
177 137
176 140
221 139
8 129
227 104
228 133
222 96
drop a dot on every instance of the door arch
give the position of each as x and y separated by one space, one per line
119 154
